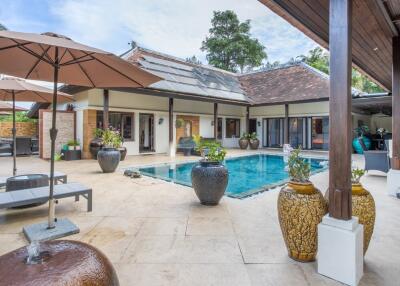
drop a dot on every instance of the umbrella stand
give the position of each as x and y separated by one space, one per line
14 134
53 136
53 228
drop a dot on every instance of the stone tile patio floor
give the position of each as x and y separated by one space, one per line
156 233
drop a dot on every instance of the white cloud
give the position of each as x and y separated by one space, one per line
176 27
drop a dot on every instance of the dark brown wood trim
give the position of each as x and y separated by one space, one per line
340 124
215 120
286 125
171 120
396 104
247 119
106 107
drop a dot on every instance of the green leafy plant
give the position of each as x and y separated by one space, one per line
20 116
215 152
245 136
356 175
299 168
361 130
111 138
98 132
73 143
253 136
202 144
179 123
58 156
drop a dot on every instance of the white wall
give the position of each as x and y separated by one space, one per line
206 129
381 122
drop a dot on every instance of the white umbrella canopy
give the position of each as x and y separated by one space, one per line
56 58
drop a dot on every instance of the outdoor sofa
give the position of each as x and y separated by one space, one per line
378 160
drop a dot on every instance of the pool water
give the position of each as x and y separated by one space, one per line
247 174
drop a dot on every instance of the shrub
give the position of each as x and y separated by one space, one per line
111 138
299 168
356 175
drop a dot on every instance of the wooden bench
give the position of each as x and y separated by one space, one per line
58 178
41 195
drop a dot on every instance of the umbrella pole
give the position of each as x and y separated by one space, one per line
53 136
14 134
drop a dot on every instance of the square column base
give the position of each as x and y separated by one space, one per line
393 182
172 150
340 250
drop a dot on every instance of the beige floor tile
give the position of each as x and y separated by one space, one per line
209 226
163 226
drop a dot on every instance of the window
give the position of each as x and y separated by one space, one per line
273 132
297 132
232 128
123 122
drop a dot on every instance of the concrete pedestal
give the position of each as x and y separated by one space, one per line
393 182
172 150
340 250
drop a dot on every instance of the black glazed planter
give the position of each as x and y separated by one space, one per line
95 145
254 143
108 159
122 150
209 180
243 143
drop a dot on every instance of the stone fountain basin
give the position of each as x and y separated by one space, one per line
65 262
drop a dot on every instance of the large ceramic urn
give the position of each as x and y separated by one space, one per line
363 207
61 262
254 143
209 180
123 151
301 207
243 143
108 159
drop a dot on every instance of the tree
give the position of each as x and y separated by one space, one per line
193 60
229 45
319 59
2 27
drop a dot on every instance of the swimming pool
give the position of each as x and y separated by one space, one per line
247 174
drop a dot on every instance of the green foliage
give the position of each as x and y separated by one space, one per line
73 143
319 59
253 136
111 138
356 175
57 156
299 168
245 136
179 123
98 133
193 60
202 144
361 130
229 45
20 116
215 152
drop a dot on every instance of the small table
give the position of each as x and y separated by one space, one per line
58 178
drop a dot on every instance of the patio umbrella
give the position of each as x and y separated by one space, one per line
6 108
53 57
13 89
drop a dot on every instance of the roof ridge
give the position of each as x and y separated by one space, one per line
265 69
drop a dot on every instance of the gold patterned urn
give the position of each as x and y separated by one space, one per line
301 207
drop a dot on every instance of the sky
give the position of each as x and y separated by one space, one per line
175 27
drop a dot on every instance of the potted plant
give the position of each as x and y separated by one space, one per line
73 145
108 156
253 141
361 135
210 176
179 123
244 141
96 143
301 207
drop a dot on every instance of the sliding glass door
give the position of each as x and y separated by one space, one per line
297 132
320 133
273 132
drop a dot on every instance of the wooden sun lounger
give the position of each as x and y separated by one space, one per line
58 178
40 195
